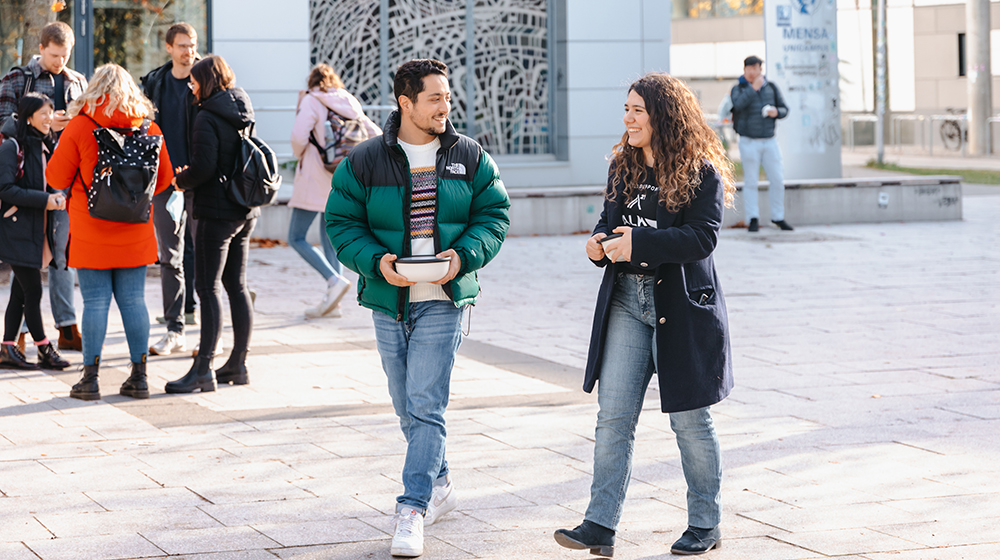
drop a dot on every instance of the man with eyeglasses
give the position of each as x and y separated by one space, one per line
168 88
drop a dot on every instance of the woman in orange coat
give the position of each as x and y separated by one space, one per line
110 257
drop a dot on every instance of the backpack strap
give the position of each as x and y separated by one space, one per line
20 157
29 80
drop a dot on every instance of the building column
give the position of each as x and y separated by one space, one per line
979 73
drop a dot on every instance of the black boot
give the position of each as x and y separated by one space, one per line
11 357
198 377
697 541
234 370
135 386
87 389
50 359
599 539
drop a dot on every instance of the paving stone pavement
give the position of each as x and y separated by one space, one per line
867 389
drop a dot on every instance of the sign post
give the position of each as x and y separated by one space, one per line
801 58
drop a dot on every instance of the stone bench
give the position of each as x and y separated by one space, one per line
563 210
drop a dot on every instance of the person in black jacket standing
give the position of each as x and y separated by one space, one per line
167 87
757 104
26 203
660 308
222 240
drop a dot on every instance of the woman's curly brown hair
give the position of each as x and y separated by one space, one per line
682 144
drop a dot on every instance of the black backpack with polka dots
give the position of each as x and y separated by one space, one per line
125 175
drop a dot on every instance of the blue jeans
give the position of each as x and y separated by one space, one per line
755 152
325 263
417 356
628 365
62 280
128 286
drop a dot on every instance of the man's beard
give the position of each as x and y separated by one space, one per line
433 132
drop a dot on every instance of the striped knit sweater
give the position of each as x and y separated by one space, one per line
423 178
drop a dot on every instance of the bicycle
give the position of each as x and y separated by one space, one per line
953 134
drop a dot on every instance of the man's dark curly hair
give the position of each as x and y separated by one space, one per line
409 80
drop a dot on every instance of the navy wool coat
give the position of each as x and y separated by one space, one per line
692 338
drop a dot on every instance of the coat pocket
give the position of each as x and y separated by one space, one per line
702 296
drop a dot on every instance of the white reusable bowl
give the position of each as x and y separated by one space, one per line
612 237
422 269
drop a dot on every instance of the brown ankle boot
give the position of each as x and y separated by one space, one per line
70 339
20 342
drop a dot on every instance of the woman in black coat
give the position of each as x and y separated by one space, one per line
25 235
222 238
660 308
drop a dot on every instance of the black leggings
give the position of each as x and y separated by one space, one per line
25 302
221 251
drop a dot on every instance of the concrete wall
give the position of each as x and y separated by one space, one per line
267 45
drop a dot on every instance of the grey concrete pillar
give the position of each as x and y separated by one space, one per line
979 75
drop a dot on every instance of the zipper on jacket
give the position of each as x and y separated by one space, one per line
405 249
437 204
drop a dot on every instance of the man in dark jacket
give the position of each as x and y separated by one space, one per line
167 87
419 190
47 73
757 104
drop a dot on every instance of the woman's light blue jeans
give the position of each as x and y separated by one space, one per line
417 356
128 286
325 263
628 365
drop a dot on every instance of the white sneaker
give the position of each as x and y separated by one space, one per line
336 289
408 540
218 349
170 342
443 500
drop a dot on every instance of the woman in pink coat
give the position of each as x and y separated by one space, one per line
312 180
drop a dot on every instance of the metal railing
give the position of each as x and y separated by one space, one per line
897 129
956 122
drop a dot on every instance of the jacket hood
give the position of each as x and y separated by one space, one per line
390 132
232 105
118 119
339 101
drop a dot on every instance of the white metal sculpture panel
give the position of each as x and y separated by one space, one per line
511 59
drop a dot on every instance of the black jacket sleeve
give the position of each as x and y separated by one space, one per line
779 101
697 232
10 192
204 162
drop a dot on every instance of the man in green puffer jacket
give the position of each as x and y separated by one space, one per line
420 189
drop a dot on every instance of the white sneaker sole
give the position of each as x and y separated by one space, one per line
406 552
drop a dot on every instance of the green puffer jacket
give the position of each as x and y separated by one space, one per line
368 214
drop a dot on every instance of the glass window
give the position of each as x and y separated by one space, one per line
132 33
21 21
716 8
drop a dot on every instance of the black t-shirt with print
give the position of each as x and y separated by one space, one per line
640 211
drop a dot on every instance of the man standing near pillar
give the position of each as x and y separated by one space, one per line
167 87
757 104
47 73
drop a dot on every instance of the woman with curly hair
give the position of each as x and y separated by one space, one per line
660 308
